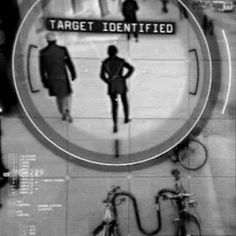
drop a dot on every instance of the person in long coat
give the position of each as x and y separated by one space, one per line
114 72
129 12
54 63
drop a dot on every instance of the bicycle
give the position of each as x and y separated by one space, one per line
187 223
110 225
191 154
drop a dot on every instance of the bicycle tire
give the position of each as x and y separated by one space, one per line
190 226
188 156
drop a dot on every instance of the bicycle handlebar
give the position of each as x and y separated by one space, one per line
172 195
115 188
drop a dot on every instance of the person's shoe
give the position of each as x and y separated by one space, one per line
115 129
69 118
126 121
64 117
136 40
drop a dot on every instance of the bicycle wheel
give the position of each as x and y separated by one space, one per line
192 226
193 156
189 227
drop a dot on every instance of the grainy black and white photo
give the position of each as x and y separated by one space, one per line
117 117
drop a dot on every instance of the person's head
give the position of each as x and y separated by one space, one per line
51 37
112 50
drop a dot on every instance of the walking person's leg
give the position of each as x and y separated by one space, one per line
67 104
136 34
180 11
66 100
164 8
63 107
128 34
125 103
59 101
114 103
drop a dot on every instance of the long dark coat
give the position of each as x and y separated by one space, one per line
54 63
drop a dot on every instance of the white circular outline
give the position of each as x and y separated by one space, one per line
99 163
230 73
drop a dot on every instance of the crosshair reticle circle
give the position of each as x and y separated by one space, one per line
167 94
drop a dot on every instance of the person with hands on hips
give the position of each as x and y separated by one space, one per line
114 72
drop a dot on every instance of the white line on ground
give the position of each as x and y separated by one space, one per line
230 72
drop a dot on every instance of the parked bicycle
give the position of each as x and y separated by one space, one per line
110 224
191 154
187 223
